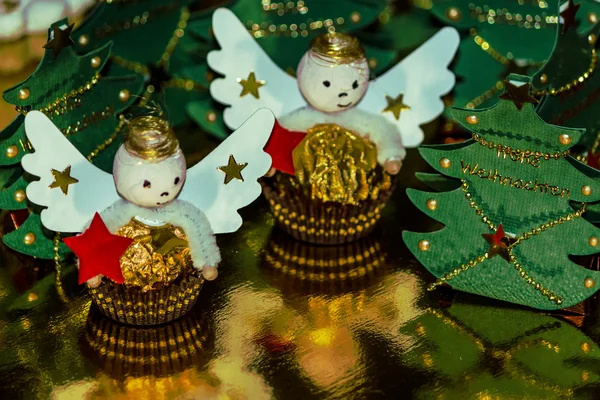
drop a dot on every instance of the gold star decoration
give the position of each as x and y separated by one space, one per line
519 95
395 106
498 244
61 39
250 85
568 16
63 179
232 170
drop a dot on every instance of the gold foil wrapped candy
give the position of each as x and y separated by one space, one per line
157 256
334 164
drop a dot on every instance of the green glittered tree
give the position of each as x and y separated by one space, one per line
499 38
82 102
568 84
511 226
152 38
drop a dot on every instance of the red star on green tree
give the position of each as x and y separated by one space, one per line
498 243
568 16
519 95
60 40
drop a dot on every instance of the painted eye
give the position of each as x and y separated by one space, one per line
177 180
355 85
326 83
147 184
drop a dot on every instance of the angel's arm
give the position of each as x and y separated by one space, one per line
201 240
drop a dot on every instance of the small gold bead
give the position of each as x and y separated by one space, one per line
432 204
472 119
211 116
29 238
592 39
445 163
95 62
20 195
585 347
83 40
12 151
424 245
355 17
586 190
593 241
589 283
453 14
564 139
373 63
543 79
592 17
124 95
559 301
24 94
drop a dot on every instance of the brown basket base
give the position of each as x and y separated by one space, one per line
133 307
324 223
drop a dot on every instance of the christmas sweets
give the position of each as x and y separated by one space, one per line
151 240
339 138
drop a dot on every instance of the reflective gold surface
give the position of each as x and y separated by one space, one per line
350 322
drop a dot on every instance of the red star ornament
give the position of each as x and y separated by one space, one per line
280 146
99 252
498 243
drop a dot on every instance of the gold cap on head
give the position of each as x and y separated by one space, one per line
342 48
150 138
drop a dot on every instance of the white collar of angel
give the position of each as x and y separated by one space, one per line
332 83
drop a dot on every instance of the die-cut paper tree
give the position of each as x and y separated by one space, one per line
512 224
83 103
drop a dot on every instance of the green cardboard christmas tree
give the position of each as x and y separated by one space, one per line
499 38
152 38
517 216
83 103
569 83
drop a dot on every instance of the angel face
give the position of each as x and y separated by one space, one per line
329 86
146 183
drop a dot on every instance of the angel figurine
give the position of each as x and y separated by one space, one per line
341 135
148 228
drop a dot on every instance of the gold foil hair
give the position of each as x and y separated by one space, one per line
342 48
150 138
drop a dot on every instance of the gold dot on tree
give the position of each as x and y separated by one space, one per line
372 63
424 245
543 79
592 39
124 95
586 190
592 17
564 139
585 347
445 163
432 204
593 241
29 238
472 119
453 14
355 17
95 62
12 151
24 94
589 282
83 40
211 116
19 195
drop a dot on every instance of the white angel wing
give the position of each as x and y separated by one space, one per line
219 194
58 164
243 62
422 77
